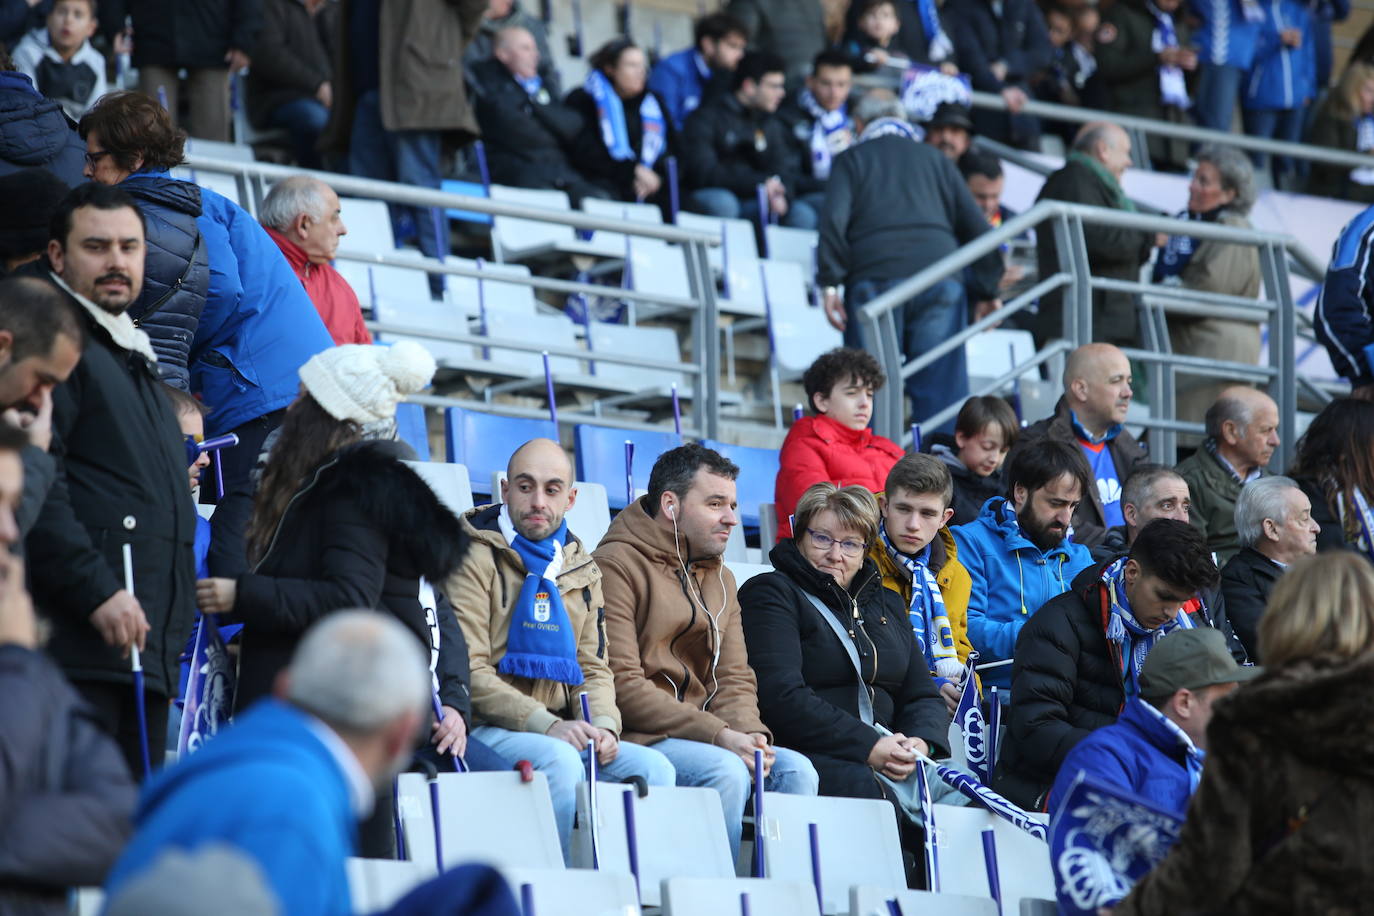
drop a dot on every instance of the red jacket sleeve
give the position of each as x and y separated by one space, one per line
801 463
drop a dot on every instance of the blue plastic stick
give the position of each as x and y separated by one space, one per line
136 664
591 783
162 97
915 437
548 386
629 472
479 149
674 202
815 836
458 763
527 899
932 834
994 721
677 414
990 862
797 413
758 815
744 909
631 837
438 824
761 193
894 907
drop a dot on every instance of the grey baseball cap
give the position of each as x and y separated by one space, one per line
1190 660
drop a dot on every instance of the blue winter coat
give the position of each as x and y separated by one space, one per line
1225 37
259 325
35 132
1344 317
1012 578
1282 78
267 787
1137 754
680 84
176 257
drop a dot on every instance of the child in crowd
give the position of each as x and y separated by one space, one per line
60 60
835 444
983 434
870 43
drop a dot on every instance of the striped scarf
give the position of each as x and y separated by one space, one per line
929 621
1133 641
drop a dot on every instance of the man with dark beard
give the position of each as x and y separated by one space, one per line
1018 552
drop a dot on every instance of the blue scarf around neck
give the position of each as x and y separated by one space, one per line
831 133
1173 90
540 643
940 47
610 114
929 620
891 127
1133 641
1179 251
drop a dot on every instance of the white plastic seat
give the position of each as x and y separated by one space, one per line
1023 862
857 838
377 283
679 830
624 211
89 901
377 884
439 317
501 296
721 896
450 482
658 268
576 891
736 260
369 225
1034 906
994 353
590 516
494 818
517 239
795 245
745 571
866 900
656 343
800 330
223 184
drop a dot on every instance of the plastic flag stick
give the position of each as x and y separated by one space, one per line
677 414
994 722
629 472
458 761
631 837
674 201
136 663
758 814
591 783
797 412
915 437
548 387
932 849
990 863
479 149
815 836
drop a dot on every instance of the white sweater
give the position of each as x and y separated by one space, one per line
34 47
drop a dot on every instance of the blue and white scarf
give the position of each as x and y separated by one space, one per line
831 133
891 127
610 113
1179 251
940 47
1193 755
540 643
929 621
925 89
1173 90
1133 641
1364 143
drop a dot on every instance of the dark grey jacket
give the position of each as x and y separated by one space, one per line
1246 581
893 207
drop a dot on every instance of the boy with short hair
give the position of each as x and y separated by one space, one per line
983 434
60 60
834 444
870 42
918 559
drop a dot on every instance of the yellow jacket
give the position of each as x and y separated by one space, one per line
953 579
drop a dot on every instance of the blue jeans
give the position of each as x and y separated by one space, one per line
708 766
927 320
565 767
1278 124
407 156
1218 86
304 119
724 204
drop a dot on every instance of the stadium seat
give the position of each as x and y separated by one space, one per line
994 353
450 483
498 295
624 211
369 225
225 185
590 516
1035 906
866 900
736 260
87 901
377 283
659 269
799 330
377 884
470 189
516 239
656 343
679 832
768 526
1023 862
758 472
857 837
743 572
440 318
600 454
736 550
494 818
483 442
721 896
412 429
795 245
575 891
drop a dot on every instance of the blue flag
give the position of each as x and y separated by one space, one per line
981 795
925 89
1102 841
209 689
968 717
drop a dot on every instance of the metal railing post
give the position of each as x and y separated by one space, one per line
1083 290
705 340
1282 348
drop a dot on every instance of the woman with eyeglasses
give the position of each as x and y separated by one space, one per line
839 675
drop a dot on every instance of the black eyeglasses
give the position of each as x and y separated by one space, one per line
848 548
93 159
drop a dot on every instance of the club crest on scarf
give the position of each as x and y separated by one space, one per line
540 642
541 607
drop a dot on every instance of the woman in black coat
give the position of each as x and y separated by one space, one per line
808 687
630 164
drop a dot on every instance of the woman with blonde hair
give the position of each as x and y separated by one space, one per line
1346 122
1280 820
840 677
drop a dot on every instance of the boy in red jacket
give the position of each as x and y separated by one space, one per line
835 444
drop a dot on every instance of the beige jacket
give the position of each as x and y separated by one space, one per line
668 681
483 591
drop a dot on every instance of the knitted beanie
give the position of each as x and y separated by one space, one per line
365 382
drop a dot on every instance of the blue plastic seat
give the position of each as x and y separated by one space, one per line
485 441
758 472
471 189
411 428
601 457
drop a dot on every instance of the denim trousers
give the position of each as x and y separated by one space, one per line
1218 87
304 119
722 203
407 156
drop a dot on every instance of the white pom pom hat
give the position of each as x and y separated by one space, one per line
364 383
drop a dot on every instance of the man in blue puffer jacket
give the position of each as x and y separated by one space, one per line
1018 551
1226 48
1283 80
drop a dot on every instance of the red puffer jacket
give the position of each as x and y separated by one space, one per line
818 448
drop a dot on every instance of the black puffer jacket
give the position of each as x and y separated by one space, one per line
176 272
187 33
359 534
725 145
1246 581
527 139
1066 682
808 690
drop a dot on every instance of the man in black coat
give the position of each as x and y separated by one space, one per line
1275 525
735 142
1001 45
527 130
1092 176
1077 660
120 480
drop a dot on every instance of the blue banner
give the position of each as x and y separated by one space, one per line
981 795
1102 841
209 699
925 89
969 717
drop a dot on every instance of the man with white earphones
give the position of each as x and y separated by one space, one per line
682 676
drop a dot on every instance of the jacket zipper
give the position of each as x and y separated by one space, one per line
315 478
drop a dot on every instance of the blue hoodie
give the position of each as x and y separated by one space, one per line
267 787
1226 37
1012 578
1282 78
259 325
680 83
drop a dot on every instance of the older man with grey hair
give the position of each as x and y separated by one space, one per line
893 206
288 783
1242 434
303 216
1275 525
